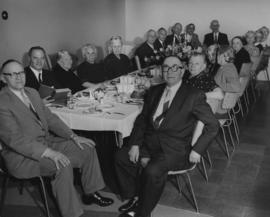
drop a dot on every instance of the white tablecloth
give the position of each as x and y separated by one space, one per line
107 120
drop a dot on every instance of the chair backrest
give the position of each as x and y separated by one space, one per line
245 70
229 101
243 84
214 104
128 50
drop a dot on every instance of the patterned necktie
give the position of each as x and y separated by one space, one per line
165 108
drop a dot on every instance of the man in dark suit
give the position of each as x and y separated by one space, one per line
159 44
215 37
63 74
175 37
37 143
160 140
191 38
146 51
35 72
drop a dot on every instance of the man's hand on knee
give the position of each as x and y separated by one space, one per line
57 157
194 157
134 153
79 141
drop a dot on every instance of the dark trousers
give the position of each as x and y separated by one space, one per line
148 183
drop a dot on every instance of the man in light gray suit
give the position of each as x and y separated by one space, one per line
36 142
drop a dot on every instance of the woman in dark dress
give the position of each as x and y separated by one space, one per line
116 63
198 77
92 74
63 74
241 55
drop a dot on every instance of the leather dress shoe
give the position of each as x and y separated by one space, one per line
96 198
131 204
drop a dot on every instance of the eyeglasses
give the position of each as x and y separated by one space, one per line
15 74
174 68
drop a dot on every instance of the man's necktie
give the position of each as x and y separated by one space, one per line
40 78
165 109
28 103
215 38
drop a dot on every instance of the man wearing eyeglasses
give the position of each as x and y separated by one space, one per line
161 140
30 149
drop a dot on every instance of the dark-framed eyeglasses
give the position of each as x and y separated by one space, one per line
173 68
14 74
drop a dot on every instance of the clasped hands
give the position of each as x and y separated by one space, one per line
134 154
62 160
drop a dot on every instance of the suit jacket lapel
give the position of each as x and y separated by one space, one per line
37 108
178 100
19 104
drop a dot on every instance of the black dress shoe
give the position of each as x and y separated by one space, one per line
96 198
131 204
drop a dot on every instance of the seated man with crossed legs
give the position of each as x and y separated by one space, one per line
37 143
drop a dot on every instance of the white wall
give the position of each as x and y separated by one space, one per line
58 24
235 16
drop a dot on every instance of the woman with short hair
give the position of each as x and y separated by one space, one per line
116 63
90 72
241 55
227 77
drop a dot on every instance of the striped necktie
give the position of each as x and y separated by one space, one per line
165 108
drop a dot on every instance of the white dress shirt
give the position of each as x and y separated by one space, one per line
163 98
37 73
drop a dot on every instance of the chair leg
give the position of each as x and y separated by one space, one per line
235 130
225 142
231 137
204 169
179 186
209 160
4 191
44 196
192 193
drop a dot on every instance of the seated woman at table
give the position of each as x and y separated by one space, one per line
259 40
227 77
199 78
250 46
63 74
116 63
92 74
241 55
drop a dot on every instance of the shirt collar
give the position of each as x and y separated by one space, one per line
36 72
150 45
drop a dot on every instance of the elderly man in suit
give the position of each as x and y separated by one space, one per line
146 51
191 38
159 44
36 142
215 37
175 38
161 140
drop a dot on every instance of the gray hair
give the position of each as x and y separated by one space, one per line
86 47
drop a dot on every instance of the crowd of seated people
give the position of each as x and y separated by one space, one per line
211 69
